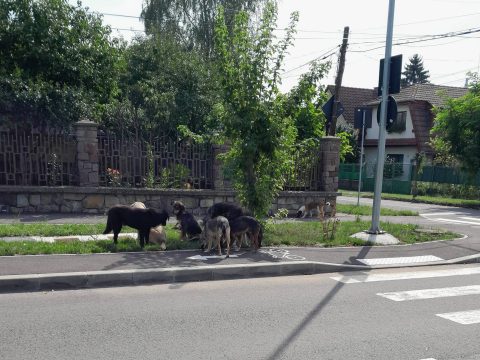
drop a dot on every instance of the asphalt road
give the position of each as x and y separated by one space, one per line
387 314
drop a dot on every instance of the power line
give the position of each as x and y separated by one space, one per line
433 37
325 55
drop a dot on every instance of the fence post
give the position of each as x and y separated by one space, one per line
329 162
219 181
87 152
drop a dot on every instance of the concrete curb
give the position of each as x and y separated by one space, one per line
99 279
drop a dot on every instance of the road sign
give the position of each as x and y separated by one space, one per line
358 118
327 108
395 75
391 112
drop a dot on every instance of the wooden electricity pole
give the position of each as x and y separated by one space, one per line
338 82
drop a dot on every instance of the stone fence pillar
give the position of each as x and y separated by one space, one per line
219 181
87 152
329 160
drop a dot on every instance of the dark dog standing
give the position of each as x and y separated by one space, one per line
229 210
246 225
189 228
141 219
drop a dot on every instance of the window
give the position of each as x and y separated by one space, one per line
400 124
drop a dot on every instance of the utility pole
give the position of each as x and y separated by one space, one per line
377 196
338 82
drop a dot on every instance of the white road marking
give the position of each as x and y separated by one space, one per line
400 260
457 221
431 293
438 213
406 275
470 218
206 257
463 317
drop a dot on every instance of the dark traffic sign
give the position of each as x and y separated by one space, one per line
391 112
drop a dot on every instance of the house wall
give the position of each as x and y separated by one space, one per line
373 132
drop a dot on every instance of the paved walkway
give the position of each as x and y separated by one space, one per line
46 272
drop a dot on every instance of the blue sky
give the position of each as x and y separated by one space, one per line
320 29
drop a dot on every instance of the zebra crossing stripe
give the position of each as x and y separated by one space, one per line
405 275
458 221
463 317
400 260
431 293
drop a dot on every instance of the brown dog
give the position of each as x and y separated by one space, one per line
141 219
157 233
189 228
246 225
217 230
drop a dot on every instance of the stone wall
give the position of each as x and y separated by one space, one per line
94 200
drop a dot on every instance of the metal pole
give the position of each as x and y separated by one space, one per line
375 227
361 160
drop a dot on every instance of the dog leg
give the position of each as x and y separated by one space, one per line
147 237
219 241
142 239
227 235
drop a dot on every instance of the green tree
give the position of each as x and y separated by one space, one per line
192 22
456 129
57 62
261 137
303 102
164 86
414 72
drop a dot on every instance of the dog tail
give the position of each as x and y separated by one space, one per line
109 227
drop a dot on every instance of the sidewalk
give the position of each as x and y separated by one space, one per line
49 272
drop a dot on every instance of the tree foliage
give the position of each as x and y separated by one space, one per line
192 22
414 72
303 102
261 137
57 62
164 86
456 129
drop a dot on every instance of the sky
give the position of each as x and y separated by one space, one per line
454 26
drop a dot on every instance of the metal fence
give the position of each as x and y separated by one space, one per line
397 177
306 174
32 156
160 163
48 157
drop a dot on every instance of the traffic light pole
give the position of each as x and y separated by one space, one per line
377 196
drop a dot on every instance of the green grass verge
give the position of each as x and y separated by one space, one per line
436 200
296 233
367 210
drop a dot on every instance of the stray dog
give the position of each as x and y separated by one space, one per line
246 225
189 228
229 210
157 233
217 230
141 219
313 208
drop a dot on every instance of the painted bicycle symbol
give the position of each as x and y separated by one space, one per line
281 254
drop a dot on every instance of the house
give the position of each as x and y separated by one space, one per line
351 98
411 133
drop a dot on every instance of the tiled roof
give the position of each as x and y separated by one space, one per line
433 94
353 97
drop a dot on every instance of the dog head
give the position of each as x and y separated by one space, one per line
178 207
301 211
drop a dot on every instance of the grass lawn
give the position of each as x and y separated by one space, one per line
367 210
298 233
437 200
